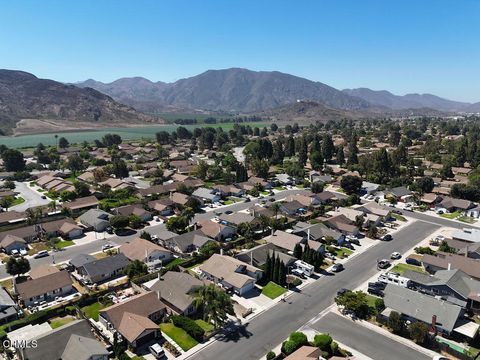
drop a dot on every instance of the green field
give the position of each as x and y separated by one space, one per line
273 290
131 133
64 243
343 253
208 328
451 215
185 341
92 311
401 268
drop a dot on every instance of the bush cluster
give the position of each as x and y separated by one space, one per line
190 326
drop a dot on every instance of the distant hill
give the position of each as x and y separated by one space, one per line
409 101
311 112
24 96
235 90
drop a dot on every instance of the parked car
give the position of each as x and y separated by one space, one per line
353 240
395 256
271 199
156 218
338 267
271 193
41 254
408 207
330 256
383 264
299 273
375 291
342 291
157 351
15 253
228 212
347 245
413 261
247 199
387 237
109 230
106 247
377 284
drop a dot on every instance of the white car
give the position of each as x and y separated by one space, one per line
395 256
106 247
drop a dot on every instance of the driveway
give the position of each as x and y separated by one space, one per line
32 198
364 340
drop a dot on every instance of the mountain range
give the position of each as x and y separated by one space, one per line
242 90
23 96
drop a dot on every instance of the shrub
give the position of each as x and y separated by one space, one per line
270 355
322 341
289 347
190 326
299 338
379 305
334 348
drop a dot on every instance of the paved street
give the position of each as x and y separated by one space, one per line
266 331
366 341
96 246
32 198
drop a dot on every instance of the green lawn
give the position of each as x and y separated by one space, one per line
451 215
343 253
185 341
264 193
64 243
91 311
229 202
111 203
398 217
17 201
401 268
174 262
371 300
208 328
280 188
273 290
60 321
466 219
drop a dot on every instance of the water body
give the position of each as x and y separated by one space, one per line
132 133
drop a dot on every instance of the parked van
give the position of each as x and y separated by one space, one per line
157 351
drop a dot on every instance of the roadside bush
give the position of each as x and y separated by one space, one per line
334 348
379 305
322 341
424 250
294 342
299 338
270 355
190 326
289 347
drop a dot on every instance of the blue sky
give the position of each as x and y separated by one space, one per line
402 46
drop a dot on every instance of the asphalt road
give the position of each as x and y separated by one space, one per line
96 246
266 331
32 198
366 341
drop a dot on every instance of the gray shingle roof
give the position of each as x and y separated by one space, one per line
106 265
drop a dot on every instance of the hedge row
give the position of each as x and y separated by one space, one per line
190 326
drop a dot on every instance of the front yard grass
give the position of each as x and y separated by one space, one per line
185 341
17 201
398 217
343 253
64 243
401 268
208 328
450 216
466 219
60 321
273 290
228 202
36 247
92 311
264 193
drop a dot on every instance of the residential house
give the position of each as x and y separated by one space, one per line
188 242
81 204
55 184
11 217
415 306
467 235
12 242
284 179
28 233
69 226
473 212
315 176
230 273
206 195
400 193
115 184
453 286
306 200
104 269
87 176
383 212
342 224
327 197
305 353
136 319
445 261
164 235
317 232
430 199
292 208
79 260
45 288
179 199
452 204
70 230
369 188
8 307
285 241
95 219
216 230
138 210
240 218
256 181
151 254
177 291
257 256
229 190
72 341
162 207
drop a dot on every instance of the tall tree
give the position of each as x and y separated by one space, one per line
13 160
216 304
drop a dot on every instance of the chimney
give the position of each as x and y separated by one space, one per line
171 195
449 266
195 226
251 258
253 212
433 327
221 251
308 234
159 297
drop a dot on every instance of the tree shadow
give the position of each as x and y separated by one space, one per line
234 332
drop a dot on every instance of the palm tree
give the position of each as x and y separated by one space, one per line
188 214
215 303
52 206
264 221
275 207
